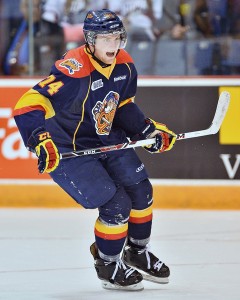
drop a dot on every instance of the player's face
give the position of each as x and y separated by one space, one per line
106 47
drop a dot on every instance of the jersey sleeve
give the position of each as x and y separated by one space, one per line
43 101
30 113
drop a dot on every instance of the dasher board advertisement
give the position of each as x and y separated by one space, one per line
183 104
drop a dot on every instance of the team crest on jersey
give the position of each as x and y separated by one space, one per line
71 64
103 113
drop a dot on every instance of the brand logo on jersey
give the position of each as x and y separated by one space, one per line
103 113
97 84
71 64
139 169
123 77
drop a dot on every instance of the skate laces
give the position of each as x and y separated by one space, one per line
157 265
120 265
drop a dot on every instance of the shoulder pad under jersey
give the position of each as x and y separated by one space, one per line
75 63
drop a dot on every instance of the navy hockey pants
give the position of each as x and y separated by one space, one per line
117 184
94 179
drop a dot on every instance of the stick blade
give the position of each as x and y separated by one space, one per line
221 110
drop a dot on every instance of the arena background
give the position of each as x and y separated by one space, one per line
197 173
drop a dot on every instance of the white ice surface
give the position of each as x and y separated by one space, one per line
44 254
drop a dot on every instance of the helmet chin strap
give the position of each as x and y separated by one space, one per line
101 63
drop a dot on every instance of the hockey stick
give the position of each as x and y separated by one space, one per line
220 113
221 110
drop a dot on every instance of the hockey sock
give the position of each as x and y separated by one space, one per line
139 227
110 238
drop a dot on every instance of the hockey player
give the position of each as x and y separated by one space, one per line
87 101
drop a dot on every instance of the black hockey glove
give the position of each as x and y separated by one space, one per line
165 138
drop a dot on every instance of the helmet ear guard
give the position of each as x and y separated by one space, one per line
103 22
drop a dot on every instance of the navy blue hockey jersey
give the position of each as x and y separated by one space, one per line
82 104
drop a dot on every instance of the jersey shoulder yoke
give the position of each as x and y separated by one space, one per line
75 63
124 57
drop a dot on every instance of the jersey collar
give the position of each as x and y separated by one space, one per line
107 71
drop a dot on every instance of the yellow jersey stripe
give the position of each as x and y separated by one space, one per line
127 101
33 99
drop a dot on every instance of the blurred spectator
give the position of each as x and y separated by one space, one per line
50 39
138 16
17 55
72 22
202 35
201 18
210 17
216 18
176 19
10 20
234 18
57 28
150 19
232 46
100 4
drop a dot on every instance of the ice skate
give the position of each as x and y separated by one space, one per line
116 275
151 268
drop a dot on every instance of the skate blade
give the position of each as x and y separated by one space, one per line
160 280
133 287
147 277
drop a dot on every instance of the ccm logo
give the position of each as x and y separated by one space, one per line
44 136
90 152
180 136
139 169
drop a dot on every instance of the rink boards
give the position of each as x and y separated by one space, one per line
197 173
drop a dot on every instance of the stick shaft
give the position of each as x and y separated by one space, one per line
218 118
104 149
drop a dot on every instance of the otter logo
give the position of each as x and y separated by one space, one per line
71 64
104 112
